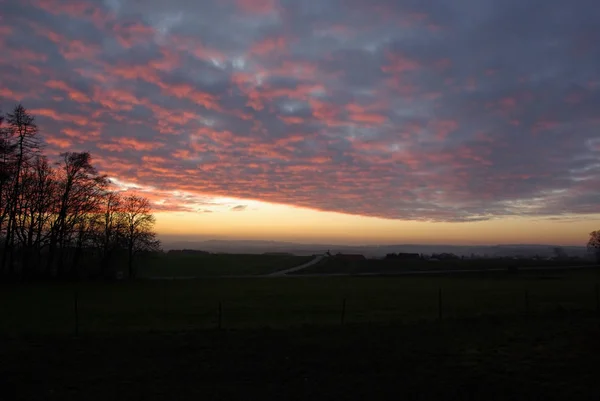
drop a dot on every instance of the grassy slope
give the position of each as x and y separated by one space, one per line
284 302
554 358
178 265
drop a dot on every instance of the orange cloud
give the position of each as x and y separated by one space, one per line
257 6
65 117
442 128
122 144
269 45
73 93
131 34
291 119
59 142
360 114
76 9
400 64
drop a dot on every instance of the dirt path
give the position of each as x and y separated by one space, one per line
295 269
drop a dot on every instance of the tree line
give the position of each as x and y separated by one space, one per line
61 219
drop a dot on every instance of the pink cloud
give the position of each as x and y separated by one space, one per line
73 93
62 117
291 120
442 128
544 125
80 9
122 144
399 64
130 34
60 143
269 45
257 6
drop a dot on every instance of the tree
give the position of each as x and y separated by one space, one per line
22 135
79 193
559 253
138 229
594 244
110 230
56 219
7 149
35 209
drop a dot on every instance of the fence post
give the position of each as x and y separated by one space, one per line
165 303
220 320
440 310
527 302
343 318
76 310
598 298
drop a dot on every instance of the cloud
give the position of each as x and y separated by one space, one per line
239 208
392 108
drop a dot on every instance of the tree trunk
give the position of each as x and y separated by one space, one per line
130 262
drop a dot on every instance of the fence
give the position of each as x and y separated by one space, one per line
164 306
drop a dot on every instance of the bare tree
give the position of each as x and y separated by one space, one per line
559 253
53 218
35 209
7 150
138 230
79 193
23 130
110 229
594 244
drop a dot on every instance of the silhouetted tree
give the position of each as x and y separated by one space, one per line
559 253
7 149
36 206
139 224
22 135
79 194
52 217
110 231
594 244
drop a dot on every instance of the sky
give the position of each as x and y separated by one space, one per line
354 121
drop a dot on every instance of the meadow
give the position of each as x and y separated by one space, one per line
174 305
196 264
335 265
518 336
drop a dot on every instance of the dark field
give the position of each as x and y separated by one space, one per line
212 265
381 266
536 358
505 336
287 302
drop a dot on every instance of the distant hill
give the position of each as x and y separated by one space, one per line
257 246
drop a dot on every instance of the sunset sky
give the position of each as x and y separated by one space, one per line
341 121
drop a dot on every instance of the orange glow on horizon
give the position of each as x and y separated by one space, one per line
285 223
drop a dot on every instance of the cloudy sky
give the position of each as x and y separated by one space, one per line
349 120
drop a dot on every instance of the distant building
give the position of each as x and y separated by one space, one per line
403 256
350 257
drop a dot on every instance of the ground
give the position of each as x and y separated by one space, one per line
212 265
335 265
287 301
544 358
517 336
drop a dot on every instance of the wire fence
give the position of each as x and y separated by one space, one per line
164 307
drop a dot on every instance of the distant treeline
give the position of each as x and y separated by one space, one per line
187 252
61 219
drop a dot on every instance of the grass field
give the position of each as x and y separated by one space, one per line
212 265
533 358
502 336
173 305
336 266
